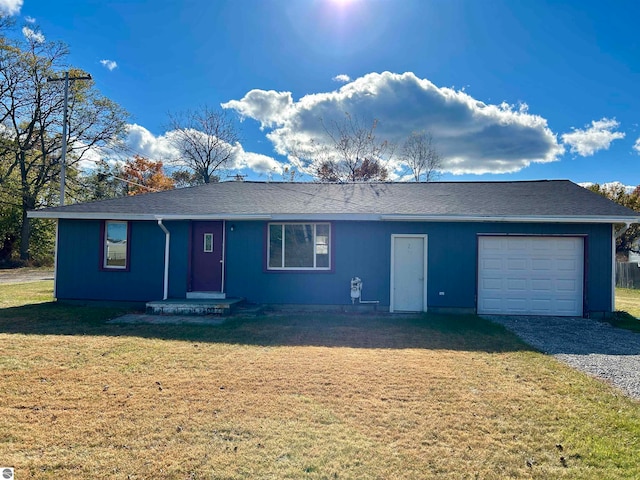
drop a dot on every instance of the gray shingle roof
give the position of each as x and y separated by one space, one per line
548 198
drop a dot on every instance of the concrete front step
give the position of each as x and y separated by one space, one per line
206 295
192 306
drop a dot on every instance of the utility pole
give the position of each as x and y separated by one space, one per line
63 160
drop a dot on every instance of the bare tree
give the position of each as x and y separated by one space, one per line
420 157
205 139
354 153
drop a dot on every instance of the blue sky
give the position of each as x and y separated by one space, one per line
509 90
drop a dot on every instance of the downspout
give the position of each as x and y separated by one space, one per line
55 260
614 236
224 247
167 241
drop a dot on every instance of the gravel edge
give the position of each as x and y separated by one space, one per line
594 347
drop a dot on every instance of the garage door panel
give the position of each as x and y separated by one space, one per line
530 275
489 284
516 284
567 286
492 264
539 306
516 264
543 264
566 264
541 285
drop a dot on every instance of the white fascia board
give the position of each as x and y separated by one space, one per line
508 219
325 217
221 216
331 217
139 216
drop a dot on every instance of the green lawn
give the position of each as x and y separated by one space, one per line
628 306
296 396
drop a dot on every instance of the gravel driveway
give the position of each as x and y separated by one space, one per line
596 348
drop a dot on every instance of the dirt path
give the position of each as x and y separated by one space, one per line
25 275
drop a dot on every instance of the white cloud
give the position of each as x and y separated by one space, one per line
585 142
10 7
471 136
268 107
29 19
255 161
109 64
32 35
636 146
342 78
141 141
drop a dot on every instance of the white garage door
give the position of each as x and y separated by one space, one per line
530 275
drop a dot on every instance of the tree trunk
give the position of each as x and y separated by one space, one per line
25 235
28 203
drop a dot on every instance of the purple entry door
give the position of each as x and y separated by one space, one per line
206 257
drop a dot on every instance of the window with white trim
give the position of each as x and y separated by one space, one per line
115 244
208 243
299 246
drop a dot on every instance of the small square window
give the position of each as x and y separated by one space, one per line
208 242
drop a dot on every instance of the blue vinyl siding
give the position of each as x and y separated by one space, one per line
360 249
363 249
80 276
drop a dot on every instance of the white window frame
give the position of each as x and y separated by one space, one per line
207 248
105 246
315 246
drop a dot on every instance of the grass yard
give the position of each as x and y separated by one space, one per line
628 302
296 396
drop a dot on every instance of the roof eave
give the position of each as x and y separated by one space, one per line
336 217
512 218
140 216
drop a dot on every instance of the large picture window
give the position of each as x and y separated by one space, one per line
116 245
299 246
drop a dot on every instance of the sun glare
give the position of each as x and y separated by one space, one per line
342 2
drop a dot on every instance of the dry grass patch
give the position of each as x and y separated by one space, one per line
299 396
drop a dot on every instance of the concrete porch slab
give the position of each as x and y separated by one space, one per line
223 306
206 295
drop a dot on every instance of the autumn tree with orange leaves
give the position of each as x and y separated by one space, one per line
143 175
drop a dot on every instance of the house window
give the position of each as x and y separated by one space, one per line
299 246
116 245
208 242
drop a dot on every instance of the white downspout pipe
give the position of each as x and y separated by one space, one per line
55 260
167 242
224 247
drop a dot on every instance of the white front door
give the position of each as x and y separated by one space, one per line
408 273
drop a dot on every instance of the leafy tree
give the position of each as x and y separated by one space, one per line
618 193
102 182
354 153
184 178
143 175
31 121
420 157
205 140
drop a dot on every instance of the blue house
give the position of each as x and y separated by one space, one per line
539 248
